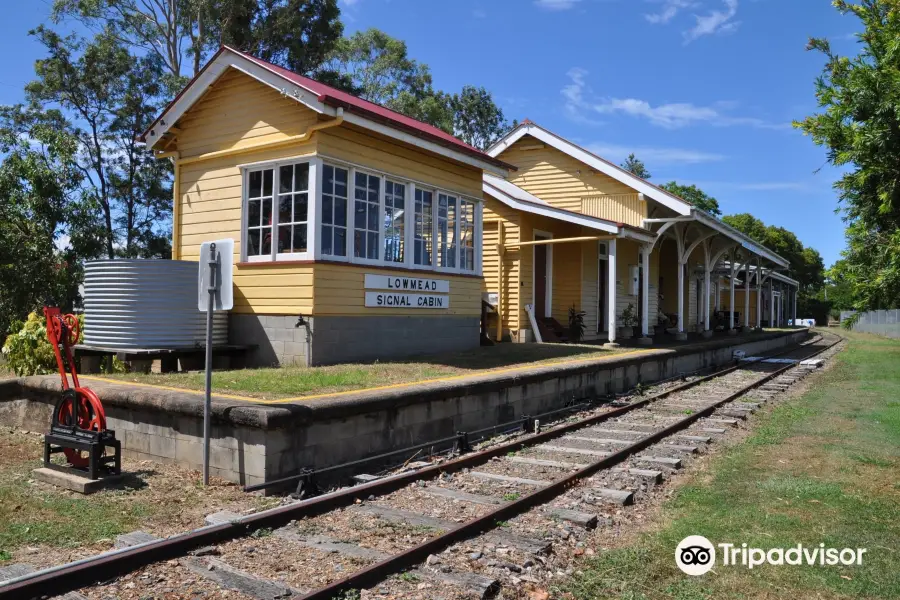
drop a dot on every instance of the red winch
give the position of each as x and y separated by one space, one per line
78 426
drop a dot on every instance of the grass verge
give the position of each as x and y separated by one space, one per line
283 382
44 525
823 468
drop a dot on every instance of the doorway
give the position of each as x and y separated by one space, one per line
543 276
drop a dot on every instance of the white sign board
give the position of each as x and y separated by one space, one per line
224 297
402 300
398 283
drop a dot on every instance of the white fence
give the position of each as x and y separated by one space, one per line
880 322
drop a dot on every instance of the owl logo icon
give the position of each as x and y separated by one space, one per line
695 555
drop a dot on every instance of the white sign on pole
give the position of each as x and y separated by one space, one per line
224 295
398 283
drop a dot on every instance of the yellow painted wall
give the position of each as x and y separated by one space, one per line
494 212
563 181
340 290
357 145
566 263
239 111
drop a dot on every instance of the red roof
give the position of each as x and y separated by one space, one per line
350 103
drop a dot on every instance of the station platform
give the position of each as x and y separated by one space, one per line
260 440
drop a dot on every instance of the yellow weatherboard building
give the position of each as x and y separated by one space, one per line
363 234
358 230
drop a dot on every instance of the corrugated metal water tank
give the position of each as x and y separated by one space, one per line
143 303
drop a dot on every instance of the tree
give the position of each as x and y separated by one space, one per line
477 120
296 34
695 196
806 265
112 96
636 166
41 201
859 126
377 67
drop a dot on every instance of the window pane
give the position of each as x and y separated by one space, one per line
327 211
372 222
340 241
285 178
253 242
254 214
301 177
266 211
255 184
359 212
300 208
284 209
340 211
326 239
267 182
299 238
328 179
267 241
284 238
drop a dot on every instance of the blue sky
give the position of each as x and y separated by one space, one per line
702 90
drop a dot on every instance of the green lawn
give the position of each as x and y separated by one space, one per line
823 468
283 382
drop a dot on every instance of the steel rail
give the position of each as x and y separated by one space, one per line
377 572
104 567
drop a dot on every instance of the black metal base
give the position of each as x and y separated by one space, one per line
100 464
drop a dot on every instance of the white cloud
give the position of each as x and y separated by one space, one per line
658 156
556 4
716 22
479 13
669 10
668 116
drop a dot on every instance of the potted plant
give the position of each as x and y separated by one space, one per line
576 324
629 322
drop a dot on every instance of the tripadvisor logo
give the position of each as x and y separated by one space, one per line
696 555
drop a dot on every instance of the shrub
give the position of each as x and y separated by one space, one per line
629 318
28 352
576 324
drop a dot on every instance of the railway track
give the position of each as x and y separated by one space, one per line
486 524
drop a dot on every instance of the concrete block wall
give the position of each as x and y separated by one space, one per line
331 340
277 338
253 443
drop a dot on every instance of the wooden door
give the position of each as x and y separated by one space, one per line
540 282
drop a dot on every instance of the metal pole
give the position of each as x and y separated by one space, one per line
207 405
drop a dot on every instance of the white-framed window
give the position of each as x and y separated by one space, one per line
293 208
423 240
276 212
394 222
315 207
334 211
258 221
366 215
